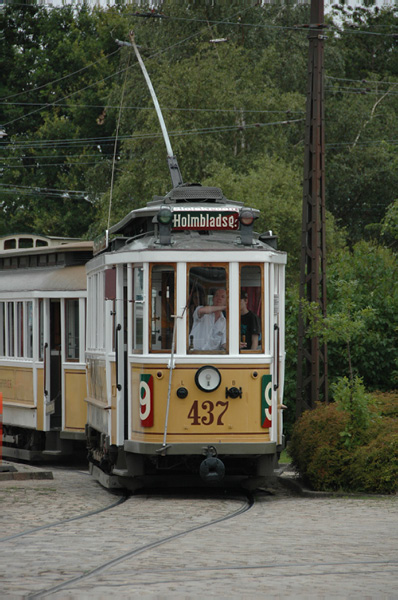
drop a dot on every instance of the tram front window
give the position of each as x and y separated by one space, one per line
207 309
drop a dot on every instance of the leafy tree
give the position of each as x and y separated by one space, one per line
361 125
361 324
52 97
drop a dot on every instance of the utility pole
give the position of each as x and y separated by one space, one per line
312 376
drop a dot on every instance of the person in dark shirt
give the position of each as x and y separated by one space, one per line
249 326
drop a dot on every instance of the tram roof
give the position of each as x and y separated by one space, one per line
184 196
194 241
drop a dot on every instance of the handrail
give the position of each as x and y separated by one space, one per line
171 367
277 329
118 328
45 368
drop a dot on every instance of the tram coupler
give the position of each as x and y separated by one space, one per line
212 469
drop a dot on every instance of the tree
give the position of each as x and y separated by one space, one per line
361 123
361 327
52 97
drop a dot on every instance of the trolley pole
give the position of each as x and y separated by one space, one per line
312 380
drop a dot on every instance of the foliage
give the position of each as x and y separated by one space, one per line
362 281
350 396
326 462
233 107
361 126
389 226
317 449
361 326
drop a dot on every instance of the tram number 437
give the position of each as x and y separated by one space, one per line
211 412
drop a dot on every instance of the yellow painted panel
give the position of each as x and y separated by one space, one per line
96 380
16 383
40 399
75 406
209 415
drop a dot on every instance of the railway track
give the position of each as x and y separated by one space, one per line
196 544
245 506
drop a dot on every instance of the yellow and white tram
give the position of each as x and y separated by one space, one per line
160 402
42 345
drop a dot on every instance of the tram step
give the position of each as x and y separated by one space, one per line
120 472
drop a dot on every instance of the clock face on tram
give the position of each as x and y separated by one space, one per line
208 379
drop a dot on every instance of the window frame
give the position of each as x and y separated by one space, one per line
220 265
152 266
260 265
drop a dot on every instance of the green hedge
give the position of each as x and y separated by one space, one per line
320 452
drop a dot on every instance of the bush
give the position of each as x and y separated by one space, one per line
320 452
374 467
317 448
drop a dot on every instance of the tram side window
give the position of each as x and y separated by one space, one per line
2 330
29 329
72 338
24 329
207 309
162 307
10 327
138 309
250 308
20 329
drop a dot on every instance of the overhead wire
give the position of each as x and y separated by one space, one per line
175 133
304 28
363 80
154 135
166 108
207 21
54 81
52 104
351 29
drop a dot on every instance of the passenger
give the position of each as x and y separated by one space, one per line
197 298
209 329
249 325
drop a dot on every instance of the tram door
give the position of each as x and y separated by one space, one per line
55 364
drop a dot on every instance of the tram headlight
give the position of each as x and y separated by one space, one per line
246 216
208 378
165 215
164 219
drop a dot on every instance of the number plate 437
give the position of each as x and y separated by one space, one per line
207 412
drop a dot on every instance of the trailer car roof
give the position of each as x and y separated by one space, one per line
60 279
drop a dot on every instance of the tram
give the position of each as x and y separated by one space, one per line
185 340
158 402
42 345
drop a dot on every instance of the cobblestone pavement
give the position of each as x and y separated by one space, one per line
285 546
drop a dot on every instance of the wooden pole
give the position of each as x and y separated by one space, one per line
312 376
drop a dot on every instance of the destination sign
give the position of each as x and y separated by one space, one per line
205 219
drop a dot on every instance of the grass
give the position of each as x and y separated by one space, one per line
284 458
